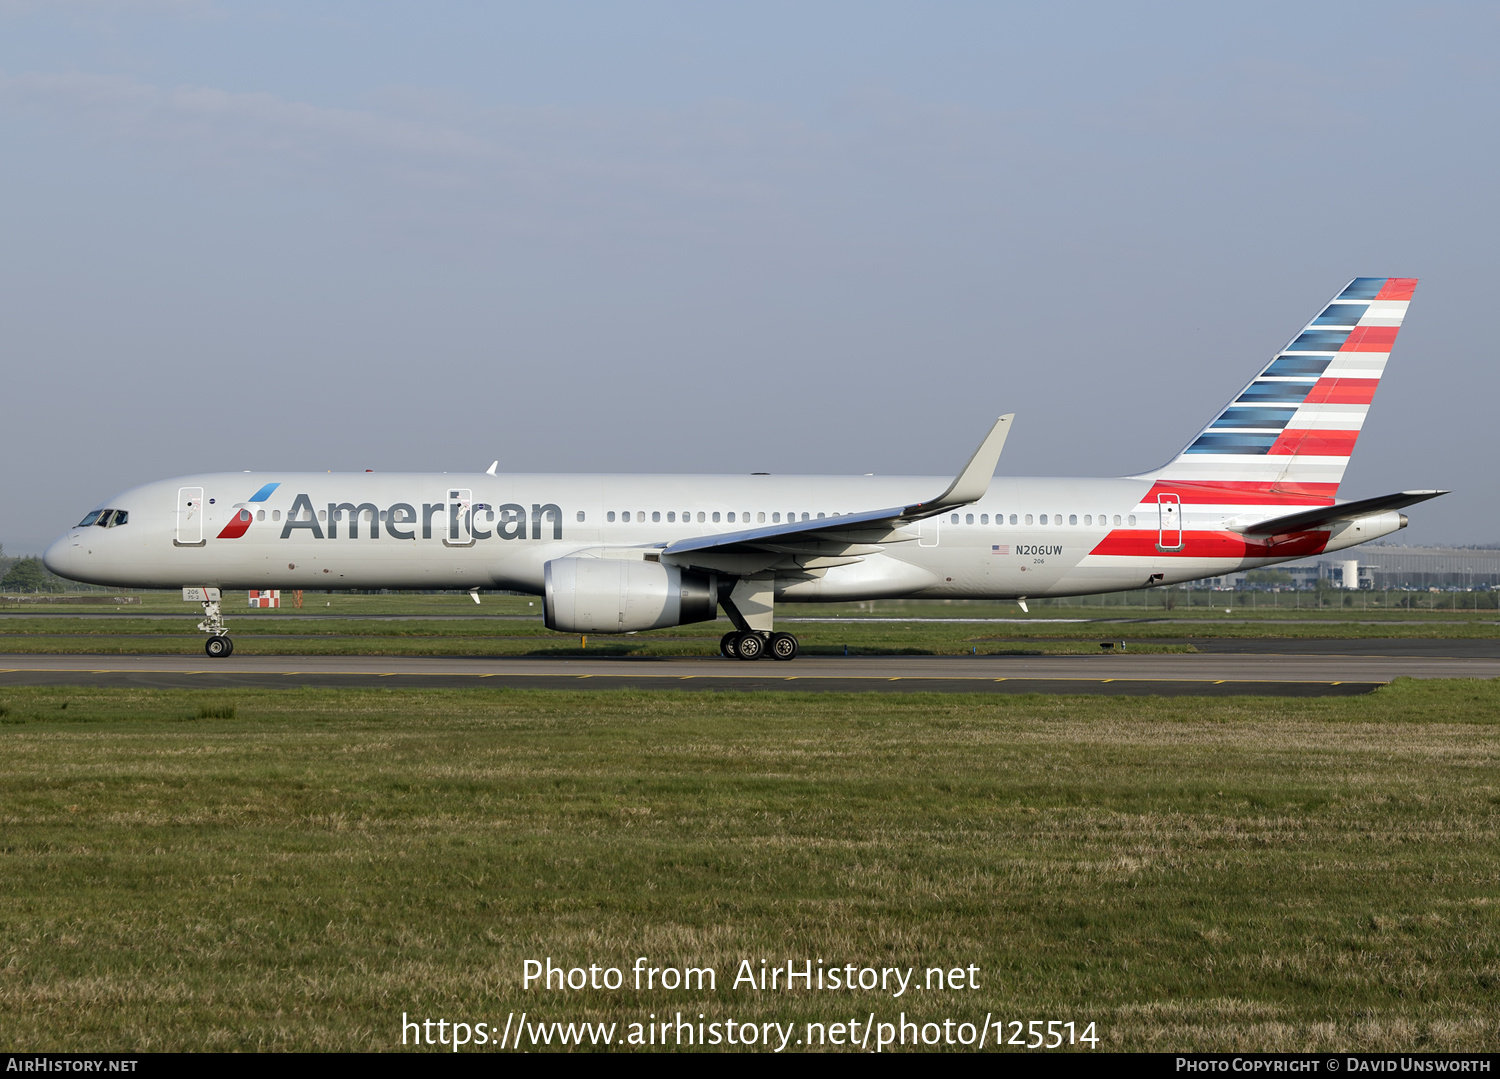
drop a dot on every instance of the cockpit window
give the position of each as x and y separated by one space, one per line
104 518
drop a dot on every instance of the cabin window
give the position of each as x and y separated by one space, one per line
1044 519
968 518
1028 519
1088 519
580 516
745 517
322 515
730 518
1012 518
610 516
1117 518
275 515
761 517
984 518
716 516
700 517
656 515
1072 518
775 518
1132 519
671 516
804 516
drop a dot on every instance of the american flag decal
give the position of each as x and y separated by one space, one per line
1000 548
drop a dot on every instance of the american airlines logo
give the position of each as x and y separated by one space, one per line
454 520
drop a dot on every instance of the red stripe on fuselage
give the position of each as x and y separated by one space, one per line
1246 493
1397 288
1370 339
1342 391
1140 543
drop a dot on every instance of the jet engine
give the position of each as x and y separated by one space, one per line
617 595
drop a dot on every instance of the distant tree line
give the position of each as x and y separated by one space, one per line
27 575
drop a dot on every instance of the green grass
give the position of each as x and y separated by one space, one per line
294 869
511 625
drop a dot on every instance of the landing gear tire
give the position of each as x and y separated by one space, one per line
218 647
749 645
783 646
726 646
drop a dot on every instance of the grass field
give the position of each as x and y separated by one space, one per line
295 869
412 624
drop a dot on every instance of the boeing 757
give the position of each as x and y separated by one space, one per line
617 554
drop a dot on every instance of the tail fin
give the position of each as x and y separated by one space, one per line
1292 429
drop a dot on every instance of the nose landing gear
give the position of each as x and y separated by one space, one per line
218 644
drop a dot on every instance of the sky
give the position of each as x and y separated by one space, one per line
789 238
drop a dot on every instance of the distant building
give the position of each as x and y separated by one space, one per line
1380 566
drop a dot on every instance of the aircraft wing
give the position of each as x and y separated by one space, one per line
832 541
1300 522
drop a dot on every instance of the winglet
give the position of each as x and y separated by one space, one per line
971 484
491 470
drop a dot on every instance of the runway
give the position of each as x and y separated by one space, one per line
1114 674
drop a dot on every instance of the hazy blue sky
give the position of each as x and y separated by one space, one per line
834 237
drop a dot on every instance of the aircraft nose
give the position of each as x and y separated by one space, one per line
62 556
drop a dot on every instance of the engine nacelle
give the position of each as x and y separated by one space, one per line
619 595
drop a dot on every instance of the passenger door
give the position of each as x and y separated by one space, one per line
189 517
458 528
1169 536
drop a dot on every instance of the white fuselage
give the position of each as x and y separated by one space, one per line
1025 537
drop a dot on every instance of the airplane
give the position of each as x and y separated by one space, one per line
620 554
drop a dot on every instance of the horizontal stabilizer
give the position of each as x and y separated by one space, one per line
1343 511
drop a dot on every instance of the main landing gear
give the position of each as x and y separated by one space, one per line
756 645
750 606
